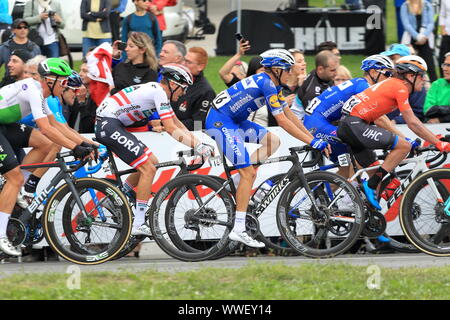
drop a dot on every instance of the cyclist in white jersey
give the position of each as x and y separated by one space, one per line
132 107
16 102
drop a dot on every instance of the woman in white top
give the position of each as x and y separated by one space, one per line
444 29
46 17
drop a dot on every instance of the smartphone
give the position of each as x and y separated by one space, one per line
121 46
239 37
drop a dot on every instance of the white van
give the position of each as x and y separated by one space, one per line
177 19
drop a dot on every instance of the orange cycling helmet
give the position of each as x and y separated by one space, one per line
411 64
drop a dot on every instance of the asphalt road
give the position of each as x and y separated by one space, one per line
163 263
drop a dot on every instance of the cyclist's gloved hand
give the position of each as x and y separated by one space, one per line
204 150
318 144
93 147
414 143
80 152
443 146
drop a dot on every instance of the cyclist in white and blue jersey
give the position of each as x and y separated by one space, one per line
323 112
227 124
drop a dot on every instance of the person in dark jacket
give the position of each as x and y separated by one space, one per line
192 108
141 65
96 27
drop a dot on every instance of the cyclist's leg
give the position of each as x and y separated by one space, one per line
255 133
9 168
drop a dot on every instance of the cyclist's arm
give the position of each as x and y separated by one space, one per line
291 116
179 132
418 128
68 132
385 123
292 129
53 134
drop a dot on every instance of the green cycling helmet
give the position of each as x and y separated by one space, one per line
54 67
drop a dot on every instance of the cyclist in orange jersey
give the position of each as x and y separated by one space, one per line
371 106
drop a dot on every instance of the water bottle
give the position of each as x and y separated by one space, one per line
390 189
262 191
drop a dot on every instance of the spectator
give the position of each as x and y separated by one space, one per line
31 67
141 65
87 110
342 75
5 20
157 8
296 77
117 8
330 46
16 67
96 27
234 70
46 17
20 28
417 19
142 21
444 22
396 51
437 102
320 79
400 28
172 51
191 108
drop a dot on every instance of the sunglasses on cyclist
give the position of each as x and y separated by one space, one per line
63 82
387 73
445 65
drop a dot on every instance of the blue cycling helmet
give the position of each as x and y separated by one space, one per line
74 80
377 62
277 58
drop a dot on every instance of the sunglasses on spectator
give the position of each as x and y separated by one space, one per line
63 82
444 65
21 27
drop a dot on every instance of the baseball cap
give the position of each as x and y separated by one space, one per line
18 22
397 48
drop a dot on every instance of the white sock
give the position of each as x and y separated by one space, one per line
139 213
239 222
26 175
4 218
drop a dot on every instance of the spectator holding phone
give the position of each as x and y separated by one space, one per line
141 65
234 69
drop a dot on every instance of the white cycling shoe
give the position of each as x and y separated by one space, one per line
143 230
24 198
7 247
245 239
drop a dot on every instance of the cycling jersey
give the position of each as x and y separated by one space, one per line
55 107
247 96
326 108
20 99
134 105
378 100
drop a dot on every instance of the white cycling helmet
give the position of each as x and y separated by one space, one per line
277 58
411 64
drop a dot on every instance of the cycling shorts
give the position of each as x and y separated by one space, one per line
320 128
111 133
13 137
230 136
363 138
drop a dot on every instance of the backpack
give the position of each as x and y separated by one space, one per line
152 21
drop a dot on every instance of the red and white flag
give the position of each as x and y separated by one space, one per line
99 63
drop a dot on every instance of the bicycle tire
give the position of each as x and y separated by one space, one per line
411 210
347 230
167 228
59 224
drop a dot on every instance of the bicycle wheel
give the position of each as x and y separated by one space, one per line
422 212
191 217
90 240
328 231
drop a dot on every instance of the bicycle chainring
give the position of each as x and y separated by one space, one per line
374 225
16 232
252 225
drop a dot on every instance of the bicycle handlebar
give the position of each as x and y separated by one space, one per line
316 154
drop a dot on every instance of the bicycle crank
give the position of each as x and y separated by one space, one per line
374 225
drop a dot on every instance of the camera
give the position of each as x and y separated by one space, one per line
51 16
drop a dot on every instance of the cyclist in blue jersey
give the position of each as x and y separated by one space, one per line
323 112
227 124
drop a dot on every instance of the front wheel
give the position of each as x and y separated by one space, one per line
93 238
424 218
327 227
